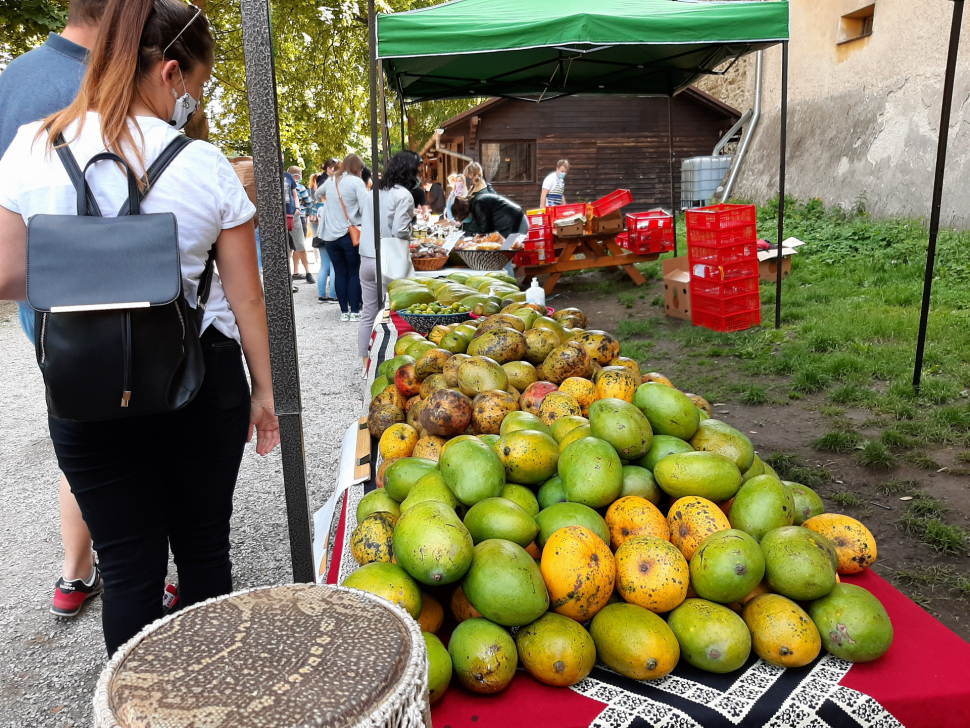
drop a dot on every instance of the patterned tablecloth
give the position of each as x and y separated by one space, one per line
922 682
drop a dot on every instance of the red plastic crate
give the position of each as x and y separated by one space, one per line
720 217
558 212
724 288
741 303
733 322
539 220
539 234
731 272
612 202
654 240
652 219
526 258
623 240
712 255
721 238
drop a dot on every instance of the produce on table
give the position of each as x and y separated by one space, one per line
439 667
500 439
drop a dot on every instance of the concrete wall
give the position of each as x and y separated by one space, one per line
864 115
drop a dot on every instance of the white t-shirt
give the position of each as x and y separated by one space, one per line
199 187
553 184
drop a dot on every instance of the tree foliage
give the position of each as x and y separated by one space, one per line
321 56
26 24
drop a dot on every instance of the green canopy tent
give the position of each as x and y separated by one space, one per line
536 50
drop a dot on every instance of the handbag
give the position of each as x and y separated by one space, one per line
354 230
395 260
114 334
289 223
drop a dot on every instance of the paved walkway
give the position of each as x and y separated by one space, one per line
49 667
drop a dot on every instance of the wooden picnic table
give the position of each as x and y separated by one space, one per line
600 250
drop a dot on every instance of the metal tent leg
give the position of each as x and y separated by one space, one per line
670 144
403 132
374 147
781 177
951 64
268 167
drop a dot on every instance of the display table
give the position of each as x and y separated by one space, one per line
600 251
922 682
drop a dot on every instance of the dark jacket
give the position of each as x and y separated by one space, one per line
436 199
493 213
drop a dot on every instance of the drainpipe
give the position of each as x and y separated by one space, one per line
746 142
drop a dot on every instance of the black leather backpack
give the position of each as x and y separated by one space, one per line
114 335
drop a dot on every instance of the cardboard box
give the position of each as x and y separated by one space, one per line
677 287
768 260
566 231
612 223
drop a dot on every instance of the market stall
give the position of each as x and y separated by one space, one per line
919 681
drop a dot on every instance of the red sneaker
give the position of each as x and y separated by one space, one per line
69 596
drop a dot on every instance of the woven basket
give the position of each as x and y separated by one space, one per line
424 322
299 644
486 259
429 263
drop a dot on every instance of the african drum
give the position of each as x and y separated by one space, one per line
275 657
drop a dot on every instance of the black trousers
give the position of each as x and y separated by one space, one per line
345 257
147 483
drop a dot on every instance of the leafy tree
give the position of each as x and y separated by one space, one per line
26 24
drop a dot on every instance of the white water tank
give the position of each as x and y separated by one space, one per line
700 177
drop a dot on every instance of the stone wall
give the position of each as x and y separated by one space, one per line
863 116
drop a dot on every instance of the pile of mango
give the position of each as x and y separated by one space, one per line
540 483
459 287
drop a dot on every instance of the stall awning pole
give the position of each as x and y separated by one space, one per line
670 144
951 65
781 177
268 172
374 151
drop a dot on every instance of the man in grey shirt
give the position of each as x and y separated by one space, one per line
34 86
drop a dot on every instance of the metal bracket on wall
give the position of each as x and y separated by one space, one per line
268 172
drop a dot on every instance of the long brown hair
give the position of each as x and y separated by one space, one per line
352 164
131 40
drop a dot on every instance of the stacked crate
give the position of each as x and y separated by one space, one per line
722 247
648 232
539 243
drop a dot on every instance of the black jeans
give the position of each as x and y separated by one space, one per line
346 264
146 483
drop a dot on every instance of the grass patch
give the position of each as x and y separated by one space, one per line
846 499
636 350
876 456
628 299
789 467
837 441
921 460
894 486
753 394
944 538
809 380
628 328
658 301
851 394
964 456
933 576
895 440
926 505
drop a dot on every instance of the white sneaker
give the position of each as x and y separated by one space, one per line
345 317
355 317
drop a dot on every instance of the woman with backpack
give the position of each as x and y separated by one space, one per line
147 478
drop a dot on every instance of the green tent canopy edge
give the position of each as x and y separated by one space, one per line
550 48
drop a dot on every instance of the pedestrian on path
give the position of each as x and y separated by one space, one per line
397 213
327 276
343 194
298 239
554 186
148 483
34 86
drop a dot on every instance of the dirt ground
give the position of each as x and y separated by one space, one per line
790 426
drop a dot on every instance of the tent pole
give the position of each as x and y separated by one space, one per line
374 151
403 132
951 64
268 169
670 143
385 131
781 177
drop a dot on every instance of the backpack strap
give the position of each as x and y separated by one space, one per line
74 172
160 164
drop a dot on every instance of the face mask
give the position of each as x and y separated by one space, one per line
562 175
185 107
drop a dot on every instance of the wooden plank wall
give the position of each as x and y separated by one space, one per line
611 142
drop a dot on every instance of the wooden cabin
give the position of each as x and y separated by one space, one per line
611 142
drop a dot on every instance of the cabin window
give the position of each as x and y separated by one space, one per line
509 162
857 25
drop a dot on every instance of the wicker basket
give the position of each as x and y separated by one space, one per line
430 263
486 259
424 322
